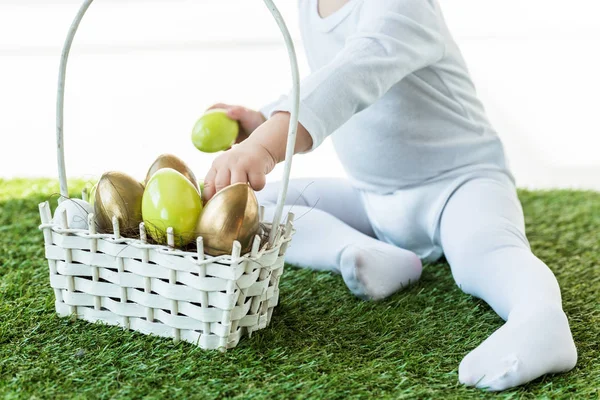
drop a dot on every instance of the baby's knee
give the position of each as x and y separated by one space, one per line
466 245
472 254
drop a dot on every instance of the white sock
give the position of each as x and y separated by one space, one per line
370 268
377 270
533 342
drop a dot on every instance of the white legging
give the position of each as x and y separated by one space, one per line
481 232
478 224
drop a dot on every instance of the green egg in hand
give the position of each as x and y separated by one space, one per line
170 200
215 131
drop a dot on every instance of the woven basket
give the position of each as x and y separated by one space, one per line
154 289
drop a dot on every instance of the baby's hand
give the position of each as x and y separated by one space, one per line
253 159
247 163
248 119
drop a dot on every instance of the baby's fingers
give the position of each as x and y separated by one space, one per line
223 179
209 184
238 113
257 180
239 175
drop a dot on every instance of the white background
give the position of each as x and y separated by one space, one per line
142 72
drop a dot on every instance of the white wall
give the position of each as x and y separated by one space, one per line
142 71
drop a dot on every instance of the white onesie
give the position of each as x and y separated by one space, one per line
389 84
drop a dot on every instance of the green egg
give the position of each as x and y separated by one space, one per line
170 200
215 131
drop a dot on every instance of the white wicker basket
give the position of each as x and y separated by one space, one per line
154 289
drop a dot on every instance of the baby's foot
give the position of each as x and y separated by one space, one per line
532 343
377 271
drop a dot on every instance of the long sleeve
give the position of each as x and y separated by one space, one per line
393 38
268 109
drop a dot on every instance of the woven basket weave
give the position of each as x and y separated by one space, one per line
154 289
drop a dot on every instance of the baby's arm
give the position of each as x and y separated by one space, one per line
251 160
393 39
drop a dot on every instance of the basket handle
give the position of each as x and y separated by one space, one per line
293 127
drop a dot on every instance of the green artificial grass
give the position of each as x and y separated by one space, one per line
322 343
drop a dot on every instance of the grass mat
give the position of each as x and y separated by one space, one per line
322 343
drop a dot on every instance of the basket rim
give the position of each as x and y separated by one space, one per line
138 243
284 235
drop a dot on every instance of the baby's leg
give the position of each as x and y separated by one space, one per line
483 236
333 233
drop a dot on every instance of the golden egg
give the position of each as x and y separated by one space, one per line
232 214
118 194
171 161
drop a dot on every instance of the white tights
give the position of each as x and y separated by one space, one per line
481 230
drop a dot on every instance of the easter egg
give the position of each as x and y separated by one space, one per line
77 213
171 161
231 214
215 131
170 200
118 195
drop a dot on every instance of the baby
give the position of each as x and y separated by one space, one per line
427 177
